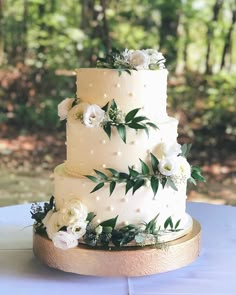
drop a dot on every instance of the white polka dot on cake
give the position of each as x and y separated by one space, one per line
97 198
111 208
104 165
105 95
126 223
119 153
104 141
117 85
90 84
91 152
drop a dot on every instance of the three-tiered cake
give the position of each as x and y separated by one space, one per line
122 189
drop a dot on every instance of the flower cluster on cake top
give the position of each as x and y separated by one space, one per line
127 60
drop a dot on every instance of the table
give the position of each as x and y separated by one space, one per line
214 272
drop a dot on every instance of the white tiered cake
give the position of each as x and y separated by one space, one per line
124 180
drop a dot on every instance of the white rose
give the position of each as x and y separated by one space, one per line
78 229
168 166
93 116
64 240
73 212
77 111
139 59
47 217
155 56
64 107
184 169
53 225
166 150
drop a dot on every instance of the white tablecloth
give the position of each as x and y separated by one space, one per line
214 272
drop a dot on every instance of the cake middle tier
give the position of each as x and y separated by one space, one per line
91 148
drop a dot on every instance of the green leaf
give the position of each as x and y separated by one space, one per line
145 168
152 125
177 224
107 129
138 183
154 184
171 183
105 108
192 180
133 172
110 222
139 119
92 178
154 163
185 148
123 176
122 131
112 187
129 117
97 187
164 181
113 171
146 130
196 173
113 105
168 222
129 185
90 216
101 174
136 126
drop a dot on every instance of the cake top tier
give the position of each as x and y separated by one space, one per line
144 89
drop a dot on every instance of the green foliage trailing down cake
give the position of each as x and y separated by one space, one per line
124 180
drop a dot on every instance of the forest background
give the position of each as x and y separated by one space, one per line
42 42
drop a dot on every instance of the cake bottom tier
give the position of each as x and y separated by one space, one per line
129 262
135 208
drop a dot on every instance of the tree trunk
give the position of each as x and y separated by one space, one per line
24 31
210 32
228 39
1 33
105 33
170 16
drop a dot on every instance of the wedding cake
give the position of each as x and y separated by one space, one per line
123 184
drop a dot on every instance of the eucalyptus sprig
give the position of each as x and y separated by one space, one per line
116 118
115 60
134 179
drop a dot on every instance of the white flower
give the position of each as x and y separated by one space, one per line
93 116
47 217
155 56
165 150
64 240
168 166
77 111
183 167
73 214
139 59
78 229
64 107
52 224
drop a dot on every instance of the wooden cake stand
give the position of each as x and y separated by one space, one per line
129 262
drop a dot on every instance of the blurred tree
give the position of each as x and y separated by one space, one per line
210 32
228 39
1 33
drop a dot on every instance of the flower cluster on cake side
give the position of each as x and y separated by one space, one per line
167 167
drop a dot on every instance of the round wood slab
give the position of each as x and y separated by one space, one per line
128 262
